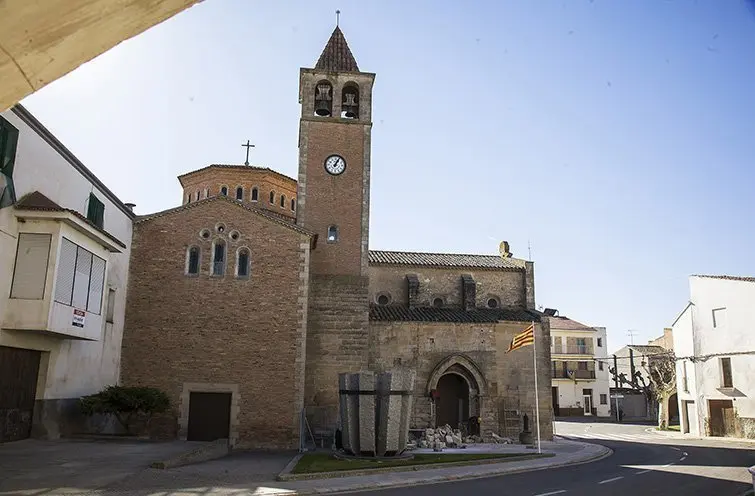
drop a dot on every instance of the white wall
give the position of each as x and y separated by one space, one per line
695 335
72 367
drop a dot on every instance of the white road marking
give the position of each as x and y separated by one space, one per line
642 472
685 454
682 458
552 492
675 448
669 464
611 480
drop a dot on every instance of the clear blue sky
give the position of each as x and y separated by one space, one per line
617 137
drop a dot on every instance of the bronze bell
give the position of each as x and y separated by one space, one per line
322 108
350 106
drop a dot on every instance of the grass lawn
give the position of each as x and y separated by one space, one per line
326 462
674 428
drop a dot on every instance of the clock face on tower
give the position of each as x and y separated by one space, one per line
335 165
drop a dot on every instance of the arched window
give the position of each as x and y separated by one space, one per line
293 204
197 195
332 234
218 258
242 262
206 192
350 101
240 193
224 190
283 201
438 302
188 198
272 197
192 261
323 99
255 193
493 302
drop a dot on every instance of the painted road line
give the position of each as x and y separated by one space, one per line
682 458
642 472
685 454
675 448
611 480
552 492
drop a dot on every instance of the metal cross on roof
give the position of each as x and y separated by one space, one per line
338 17
247 146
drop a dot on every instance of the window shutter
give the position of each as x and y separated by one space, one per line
96 211
96 282
30 270
8 141
66 269
81 280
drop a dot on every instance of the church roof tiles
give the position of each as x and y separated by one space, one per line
445 260
403 313
235 167
337 56
278 219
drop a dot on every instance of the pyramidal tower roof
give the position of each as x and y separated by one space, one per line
337 56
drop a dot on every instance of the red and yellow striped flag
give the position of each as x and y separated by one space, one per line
524 338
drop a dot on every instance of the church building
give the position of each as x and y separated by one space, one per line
246 301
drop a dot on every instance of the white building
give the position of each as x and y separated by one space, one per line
579 368
716 389
64 254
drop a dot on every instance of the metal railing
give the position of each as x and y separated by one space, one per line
576 374
578 350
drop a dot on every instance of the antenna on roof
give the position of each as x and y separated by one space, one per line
529 250
631 334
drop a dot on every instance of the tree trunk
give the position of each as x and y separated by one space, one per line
663 411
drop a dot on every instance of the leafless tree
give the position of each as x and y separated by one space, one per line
656 379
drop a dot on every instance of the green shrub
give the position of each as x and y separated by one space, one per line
126 404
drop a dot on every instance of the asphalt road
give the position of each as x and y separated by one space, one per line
643 464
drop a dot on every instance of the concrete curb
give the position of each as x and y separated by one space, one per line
286 474
604 452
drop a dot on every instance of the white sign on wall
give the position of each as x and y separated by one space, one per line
78 317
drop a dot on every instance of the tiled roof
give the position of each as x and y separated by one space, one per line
728 278
337 56
403 313
567 324
450 260
278 219
39 202
236 167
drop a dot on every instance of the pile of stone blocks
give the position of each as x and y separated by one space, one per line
444 437
375 410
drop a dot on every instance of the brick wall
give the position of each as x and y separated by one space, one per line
509 376
507 286
214 178
245 336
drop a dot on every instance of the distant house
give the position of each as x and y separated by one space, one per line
715 348
64 256
578 368
634 401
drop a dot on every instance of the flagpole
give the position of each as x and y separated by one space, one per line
537 402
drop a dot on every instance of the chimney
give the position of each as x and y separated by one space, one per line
130 206
412 284
468 292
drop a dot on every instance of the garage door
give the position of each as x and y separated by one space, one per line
18 389
209 416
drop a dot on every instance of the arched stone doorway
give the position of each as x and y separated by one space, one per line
457 388
673 410
452 405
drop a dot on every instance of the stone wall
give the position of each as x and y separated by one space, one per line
508 377
209 333
506 286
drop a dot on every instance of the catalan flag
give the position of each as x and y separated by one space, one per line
524 338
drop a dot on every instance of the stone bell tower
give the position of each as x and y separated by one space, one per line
333 200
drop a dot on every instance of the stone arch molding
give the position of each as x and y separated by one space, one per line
460 365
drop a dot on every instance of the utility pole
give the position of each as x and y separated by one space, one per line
616 386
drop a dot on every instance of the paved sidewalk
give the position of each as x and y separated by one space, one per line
213 478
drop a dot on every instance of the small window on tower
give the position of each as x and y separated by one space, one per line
224 190
255 194
332 234
293 204
283 201
323 99
240 193
350 102
272 197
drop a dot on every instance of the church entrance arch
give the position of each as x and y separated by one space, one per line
457 388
